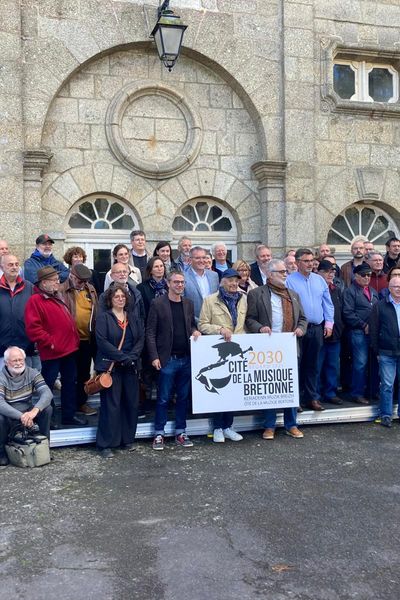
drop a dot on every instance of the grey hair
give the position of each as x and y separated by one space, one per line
10 349
373 253
215 246
271 266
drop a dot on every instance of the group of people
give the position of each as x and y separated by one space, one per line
57 320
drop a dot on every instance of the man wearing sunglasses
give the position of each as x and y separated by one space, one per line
358 301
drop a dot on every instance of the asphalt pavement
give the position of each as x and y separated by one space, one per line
316 519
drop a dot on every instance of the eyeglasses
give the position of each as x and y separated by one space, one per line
394 287
282 272
307 260
177 282
364 274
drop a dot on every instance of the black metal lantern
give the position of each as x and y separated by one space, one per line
168 35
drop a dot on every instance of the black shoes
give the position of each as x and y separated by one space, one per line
106 453
75 422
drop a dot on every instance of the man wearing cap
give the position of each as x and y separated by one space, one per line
81 298
329 357
51 326
43 257
224 313
358 301
274 309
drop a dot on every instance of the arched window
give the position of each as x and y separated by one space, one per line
101 212
361 220
206 221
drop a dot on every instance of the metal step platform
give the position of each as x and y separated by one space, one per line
346 413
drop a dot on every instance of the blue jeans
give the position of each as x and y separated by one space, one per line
360 348
389 367
223 420
328 366
289 417
175 375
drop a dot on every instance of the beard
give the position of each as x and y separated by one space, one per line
14 371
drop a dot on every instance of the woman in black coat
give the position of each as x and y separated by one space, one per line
119 403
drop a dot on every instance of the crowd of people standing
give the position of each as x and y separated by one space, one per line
59 318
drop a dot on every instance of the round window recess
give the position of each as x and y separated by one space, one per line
152 130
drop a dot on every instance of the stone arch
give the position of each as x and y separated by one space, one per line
57 82
342 188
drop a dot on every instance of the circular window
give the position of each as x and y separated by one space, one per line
152 130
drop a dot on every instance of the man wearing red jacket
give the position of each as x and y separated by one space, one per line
51 326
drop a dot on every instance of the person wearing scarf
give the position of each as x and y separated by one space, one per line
224 313
272 308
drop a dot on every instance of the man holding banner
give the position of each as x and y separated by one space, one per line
274 309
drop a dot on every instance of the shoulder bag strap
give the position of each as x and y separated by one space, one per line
110 368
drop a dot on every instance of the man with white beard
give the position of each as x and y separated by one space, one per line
18 383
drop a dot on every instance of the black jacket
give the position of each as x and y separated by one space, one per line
215 268
255 274
108 337
337 301
159 331
135 302
148 295
384 329
12 309
356 306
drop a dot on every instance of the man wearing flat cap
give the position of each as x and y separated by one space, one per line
81 298
41 257
358 301
51 326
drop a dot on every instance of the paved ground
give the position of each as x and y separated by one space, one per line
290 519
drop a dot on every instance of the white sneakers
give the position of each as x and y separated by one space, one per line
220 435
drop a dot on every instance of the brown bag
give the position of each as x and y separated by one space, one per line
97 383
104 380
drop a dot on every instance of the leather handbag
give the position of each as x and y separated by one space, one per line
104 380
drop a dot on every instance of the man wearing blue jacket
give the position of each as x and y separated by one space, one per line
43 257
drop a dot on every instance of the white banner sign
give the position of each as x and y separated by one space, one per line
251 372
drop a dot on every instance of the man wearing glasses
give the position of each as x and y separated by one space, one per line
272 308
358 301
319 311
385 342
51 326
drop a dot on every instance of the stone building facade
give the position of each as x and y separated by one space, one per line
249 139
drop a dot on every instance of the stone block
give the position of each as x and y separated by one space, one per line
246 144
77 135
190 183
299 190
172 130
10 16
82 86
139 190
330 153
358 154
98 156
75 36
342 129
299 135
174 191
11 195
206 179
121 181
66 159
299 15
147 207
337 10
103 176
238 193
299 42
225 143
300 224
98 66
92 111
209 145
62 9
198 94
237 6
65 110
214 119
98 138
84 179
220 96
10 46
129 64
239 166
299 95
207 161
298 69
66 186
382 156
375 132
106 86
55 203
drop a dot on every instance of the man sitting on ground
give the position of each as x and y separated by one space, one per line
18 383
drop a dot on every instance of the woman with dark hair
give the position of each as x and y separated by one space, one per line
121 254
155 283
164 251
119 342
76 255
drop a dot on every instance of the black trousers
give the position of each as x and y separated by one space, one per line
43 420
118 410
311 346
83 357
